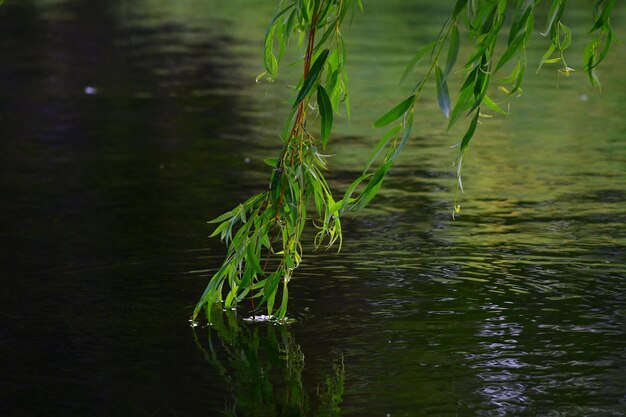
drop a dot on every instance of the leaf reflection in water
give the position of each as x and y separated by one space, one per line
261 366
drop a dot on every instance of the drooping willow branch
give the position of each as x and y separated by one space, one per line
264 233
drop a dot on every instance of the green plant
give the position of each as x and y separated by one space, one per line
264 233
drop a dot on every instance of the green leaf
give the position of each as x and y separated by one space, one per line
492 105
521 65
227 215
453 51
442 92
512 49
269 289
270 61
326 113
463 102
589 59
556 10
470 131
416 59
546 56
606 12
219 228
312 76
460 4
346 197
380 145
520 19
567 40
395 113
271 162
408 126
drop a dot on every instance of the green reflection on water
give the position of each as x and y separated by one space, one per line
261 366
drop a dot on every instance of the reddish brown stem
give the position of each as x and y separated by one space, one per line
301 114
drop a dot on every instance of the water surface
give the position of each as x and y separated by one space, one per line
124 126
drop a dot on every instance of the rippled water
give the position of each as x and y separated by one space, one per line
124 126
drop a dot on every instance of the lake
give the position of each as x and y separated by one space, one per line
125 126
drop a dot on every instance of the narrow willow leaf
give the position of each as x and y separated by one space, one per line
373 185
219 228
326 113
520 19
512 49
270 61
591 73
607 46
546 56
492 105
567 39
348 194
253 259
222 217
470 131
230 296
606 12
521 65
463 103
553 15
443 97
359 3
380 145
460 4
408 126
282 311
395 113
416 59
271 162
325 37
453 51
312 76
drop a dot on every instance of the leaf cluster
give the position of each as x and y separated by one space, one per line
263 234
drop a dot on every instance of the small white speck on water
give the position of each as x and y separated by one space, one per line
89 90
584 97
246 160
260 317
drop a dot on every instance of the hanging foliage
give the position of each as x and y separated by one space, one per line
263 234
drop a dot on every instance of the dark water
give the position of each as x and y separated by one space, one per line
124 126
